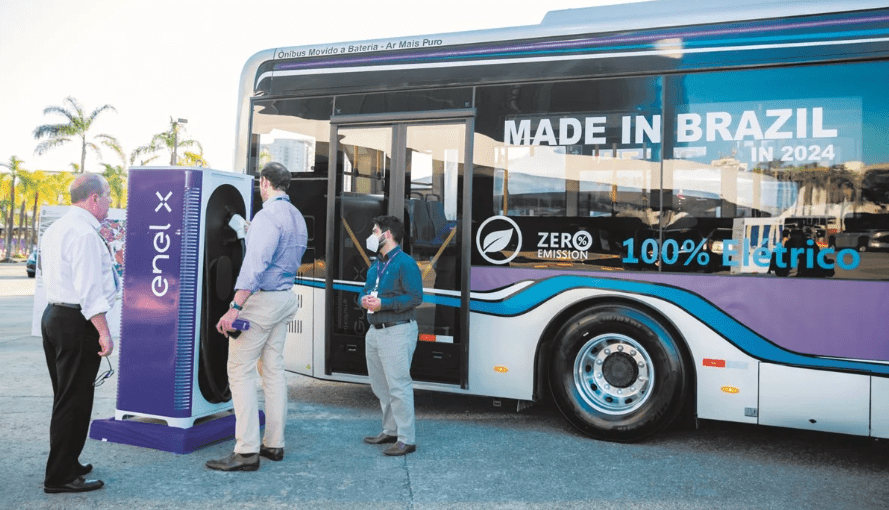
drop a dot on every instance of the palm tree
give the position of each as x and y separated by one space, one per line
39 189
20 238
57 186
168 141
193 159
265 157
15 167
5 185
28 187
116 175
78 125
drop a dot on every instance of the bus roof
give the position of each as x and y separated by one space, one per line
668 13
612 18
638 16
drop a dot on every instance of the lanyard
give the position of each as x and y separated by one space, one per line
114 264
381 271
282 197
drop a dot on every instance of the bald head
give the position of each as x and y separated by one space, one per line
85 185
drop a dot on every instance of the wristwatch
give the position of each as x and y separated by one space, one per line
235 306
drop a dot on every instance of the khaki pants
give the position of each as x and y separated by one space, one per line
268 313
389 353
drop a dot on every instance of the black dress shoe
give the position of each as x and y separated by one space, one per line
83 470
399 449
383 438
78 485
236 462
275 454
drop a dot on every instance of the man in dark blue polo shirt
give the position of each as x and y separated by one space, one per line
394 288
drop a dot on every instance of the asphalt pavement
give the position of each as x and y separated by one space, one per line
472 455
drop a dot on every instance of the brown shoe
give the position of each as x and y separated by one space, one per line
383 438
236 462
399 449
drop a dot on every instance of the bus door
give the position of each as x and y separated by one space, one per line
412 170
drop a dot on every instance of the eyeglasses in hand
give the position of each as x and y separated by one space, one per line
104 375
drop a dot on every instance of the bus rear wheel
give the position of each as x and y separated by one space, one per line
617 374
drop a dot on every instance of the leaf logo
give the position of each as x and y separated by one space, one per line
496 241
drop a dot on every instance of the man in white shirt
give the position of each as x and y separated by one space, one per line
80 288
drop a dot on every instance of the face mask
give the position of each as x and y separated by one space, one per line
372 243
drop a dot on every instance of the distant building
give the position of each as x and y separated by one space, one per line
295 154
729 161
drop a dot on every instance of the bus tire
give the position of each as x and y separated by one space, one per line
617 374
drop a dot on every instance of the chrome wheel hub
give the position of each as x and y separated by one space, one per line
613 373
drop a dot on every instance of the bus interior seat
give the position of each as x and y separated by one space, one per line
423 229
440 224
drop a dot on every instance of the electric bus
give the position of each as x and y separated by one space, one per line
625 208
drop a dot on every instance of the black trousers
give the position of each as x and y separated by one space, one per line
71 345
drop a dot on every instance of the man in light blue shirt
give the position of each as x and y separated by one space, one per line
275 242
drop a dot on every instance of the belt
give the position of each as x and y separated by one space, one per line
67 305
384 325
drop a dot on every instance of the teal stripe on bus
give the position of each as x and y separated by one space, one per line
734 332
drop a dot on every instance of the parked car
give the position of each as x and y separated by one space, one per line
31 264
863 232
865 240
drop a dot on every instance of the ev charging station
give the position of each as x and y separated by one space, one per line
181 262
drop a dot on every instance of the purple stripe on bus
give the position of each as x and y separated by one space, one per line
821 317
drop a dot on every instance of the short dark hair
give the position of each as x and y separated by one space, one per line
392 224
277 175
85 185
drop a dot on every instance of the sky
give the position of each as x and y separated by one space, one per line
153 60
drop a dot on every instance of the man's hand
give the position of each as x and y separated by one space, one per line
107 345
105 341
371 303
225 322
